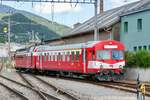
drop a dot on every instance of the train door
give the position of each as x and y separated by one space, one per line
84 60
31 60
90 58
40 61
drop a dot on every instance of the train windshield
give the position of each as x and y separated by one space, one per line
117 55
103 54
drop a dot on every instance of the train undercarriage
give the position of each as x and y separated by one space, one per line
104 75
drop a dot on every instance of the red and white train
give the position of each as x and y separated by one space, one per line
102 60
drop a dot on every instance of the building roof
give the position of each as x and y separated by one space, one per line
142 8
105 20
69 46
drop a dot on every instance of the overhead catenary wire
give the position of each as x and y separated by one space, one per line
52 12
74 5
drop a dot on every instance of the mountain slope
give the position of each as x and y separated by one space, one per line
44 27
21 26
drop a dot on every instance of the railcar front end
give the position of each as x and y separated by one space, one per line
109 61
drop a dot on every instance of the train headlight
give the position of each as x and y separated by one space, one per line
120 66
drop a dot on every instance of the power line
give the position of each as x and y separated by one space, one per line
70 1
57 1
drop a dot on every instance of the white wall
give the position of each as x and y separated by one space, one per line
132 74
4 48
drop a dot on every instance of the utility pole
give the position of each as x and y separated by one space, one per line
101 10
95 22
9 29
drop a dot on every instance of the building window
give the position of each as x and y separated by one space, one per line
140 47
135 48
144 47
139 24
126 27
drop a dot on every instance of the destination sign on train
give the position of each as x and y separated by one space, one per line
110 46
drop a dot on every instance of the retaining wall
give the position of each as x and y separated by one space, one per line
132 74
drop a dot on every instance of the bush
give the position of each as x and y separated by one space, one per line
138 59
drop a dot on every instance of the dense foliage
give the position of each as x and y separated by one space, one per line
138 59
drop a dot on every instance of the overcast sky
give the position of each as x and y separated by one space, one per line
65 13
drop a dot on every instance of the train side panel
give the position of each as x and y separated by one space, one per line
23 61
61 61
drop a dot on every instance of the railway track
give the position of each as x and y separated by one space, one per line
44 95
57 90
18 93
123 86
10 85
51 97
119 85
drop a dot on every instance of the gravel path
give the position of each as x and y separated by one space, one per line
45 87
86 91
5 94
29 93
92 92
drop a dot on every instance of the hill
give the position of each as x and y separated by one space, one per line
23 22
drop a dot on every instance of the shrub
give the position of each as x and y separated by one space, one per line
138 59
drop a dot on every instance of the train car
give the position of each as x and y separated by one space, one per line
24 58
102 60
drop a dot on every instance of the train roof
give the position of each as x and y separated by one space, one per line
69 46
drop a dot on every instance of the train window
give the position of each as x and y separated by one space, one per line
135 48
59 56
49 57
72 56
149 47
45 56
117 55
68 56
77 55
55 56
92 55
63 58
103 54
52 57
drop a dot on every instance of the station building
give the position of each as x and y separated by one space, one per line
135 28
113 24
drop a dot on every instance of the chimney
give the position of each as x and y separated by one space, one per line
101 6
76 25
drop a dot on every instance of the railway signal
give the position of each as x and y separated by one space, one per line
5 29
140 90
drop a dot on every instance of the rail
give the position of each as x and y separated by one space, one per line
22 96
41 93
71 95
